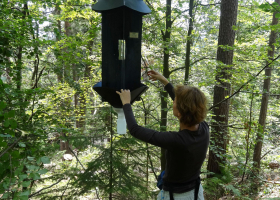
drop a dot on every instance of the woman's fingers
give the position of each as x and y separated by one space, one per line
153 78
125 96
153 75
122 90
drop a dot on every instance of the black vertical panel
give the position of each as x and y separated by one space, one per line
112 30
133 61
118 24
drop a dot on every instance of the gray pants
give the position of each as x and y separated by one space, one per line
164 195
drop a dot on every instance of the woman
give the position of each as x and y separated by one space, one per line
186 149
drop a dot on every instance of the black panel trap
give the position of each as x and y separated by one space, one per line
121 49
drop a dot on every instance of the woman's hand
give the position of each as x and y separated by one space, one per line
125 96
157 76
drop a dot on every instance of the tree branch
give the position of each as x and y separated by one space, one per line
203 58
76 156
276 95
36 193
162 33
266 154
272 6
229 126
211 4
148 2
37 79
73 152
244 84
15 142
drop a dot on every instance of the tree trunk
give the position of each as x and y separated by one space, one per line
219 132
166 73
83 109
189 43
19 55
265 97
64 145
75 96
58 37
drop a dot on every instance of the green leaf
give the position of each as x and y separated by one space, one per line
3 144
10 132
26 183
2 105
233 189
22 177
15 154
45 160
23 197
42 171
5 136
32 167
6 123
13 123
34 176
5 196
6 185
262 5
21 144
25 193
38 161
275 5
10 114
30 158
277 15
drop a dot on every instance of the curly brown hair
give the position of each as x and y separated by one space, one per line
191 103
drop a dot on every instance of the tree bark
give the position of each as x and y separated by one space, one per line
58 37
64 145
81 122
265 97
20 48
164 96
219 132
189 42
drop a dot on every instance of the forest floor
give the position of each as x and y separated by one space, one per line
270 189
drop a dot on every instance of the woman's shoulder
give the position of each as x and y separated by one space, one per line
204 123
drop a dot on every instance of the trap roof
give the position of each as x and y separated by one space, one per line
137 5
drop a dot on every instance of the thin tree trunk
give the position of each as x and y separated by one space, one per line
265 97
83 109
75 96
219 132
64 145
247 138
111 156
166 73
147 156
189 42
58 37
20 48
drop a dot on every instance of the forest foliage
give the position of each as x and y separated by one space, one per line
50 57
